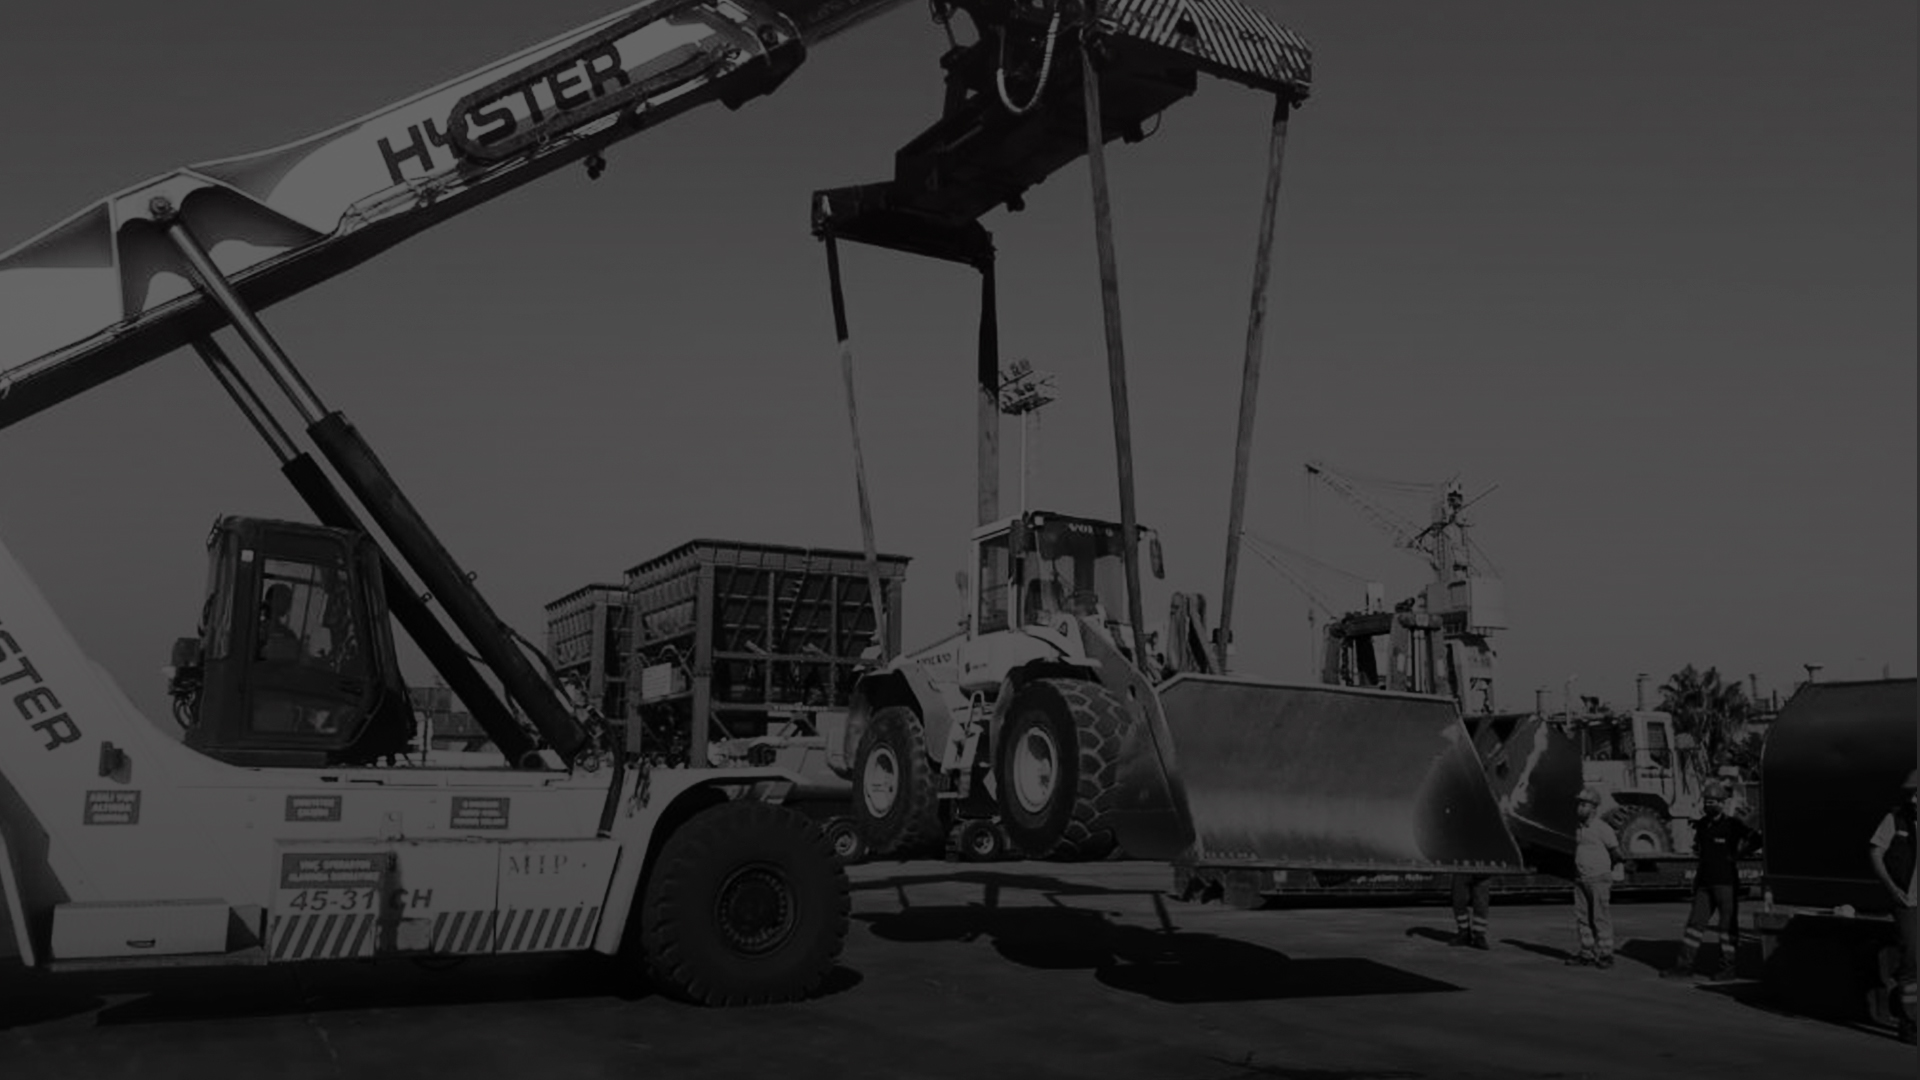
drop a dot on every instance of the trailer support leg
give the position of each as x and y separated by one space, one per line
1250 372
350 455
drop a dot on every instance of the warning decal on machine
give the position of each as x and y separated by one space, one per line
307 870
113 808
479 812
313 808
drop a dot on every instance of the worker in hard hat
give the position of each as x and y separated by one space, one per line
1597 863
1720 842
1892 851
1472 898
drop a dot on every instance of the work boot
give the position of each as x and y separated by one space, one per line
1479 941
1722 972
1583 960
1682 968
1460 938
1604 962
1906 1030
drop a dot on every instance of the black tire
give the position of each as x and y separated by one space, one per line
1084 723
844 837
894 748
1643 832
981 841
745 906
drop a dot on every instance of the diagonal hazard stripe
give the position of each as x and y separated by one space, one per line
475 938
319 945
567 940
307 926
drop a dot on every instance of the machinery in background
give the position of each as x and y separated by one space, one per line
1833 765
763 642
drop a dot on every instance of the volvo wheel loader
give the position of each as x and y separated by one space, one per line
1043 721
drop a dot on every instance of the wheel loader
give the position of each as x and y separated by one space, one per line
1043 726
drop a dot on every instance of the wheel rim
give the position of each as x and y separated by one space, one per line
880 781
844 841
983 842
1035 761
1643 843
754 910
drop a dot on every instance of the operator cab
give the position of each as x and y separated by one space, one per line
1036 569
294 664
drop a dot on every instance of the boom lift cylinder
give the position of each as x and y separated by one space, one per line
327 504
369 480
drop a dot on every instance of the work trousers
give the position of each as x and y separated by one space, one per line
1903 919
1593 916
1472 898
1709 900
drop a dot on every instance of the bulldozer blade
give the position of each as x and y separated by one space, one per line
1536 772
1332 778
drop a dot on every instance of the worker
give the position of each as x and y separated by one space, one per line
1597 865
1472 897
1893 856
1721 841
278 639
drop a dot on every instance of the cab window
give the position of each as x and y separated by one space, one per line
996 567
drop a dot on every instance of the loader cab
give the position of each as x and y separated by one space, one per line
294 662
1032 571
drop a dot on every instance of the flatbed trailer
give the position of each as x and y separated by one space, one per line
1251 887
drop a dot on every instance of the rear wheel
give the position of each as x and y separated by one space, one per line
746 906
1057 765
895 807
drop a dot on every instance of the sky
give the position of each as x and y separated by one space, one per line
1647 267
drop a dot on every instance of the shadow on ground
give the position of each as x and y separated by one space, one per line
1166 964
28 998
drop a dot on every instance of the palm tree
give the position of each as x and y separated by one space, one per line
1706 708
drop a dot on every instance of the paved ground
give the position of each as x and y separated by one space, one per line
1001 972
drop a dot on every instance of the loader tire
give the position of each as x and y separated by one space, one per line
1057 769
895 806
1643 832
746 906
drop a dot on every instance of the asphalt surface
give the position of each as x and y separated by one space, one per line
1003 971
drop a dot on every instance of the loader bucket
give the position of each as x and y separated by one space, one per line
1332 778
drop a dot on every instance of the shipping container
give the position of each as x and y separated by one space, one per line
732 641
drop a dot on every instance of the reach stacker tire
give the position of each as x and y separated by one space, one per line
746 906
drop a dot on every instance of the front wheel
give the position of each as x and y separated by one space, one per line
1058 768
746 906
